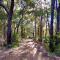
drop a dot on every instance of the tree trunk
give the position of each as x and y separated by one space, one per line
35 29
51 25
1 1
9 13
58 24
9 30
4 29
46 26
22 25
40 30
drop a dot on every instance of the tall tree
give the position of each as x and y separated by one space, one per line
51 25
41 28
2 5
9 30
35 25
58 23
9 13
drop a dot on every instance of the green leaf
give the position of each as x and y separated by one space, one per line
59 1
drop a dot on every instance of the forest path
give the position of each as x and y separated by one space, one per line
28 50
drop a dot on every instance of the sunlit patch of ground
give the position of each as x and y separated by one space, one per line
28 50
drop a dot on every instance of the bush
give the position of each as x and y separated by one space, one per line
15 40
50 45
46 39
57 50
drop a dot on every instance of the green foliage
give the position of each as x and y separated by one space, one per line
3 14
58 35
46 45
27 1
15 39
39 12
47 39
16 14
59 1
30 3
57 50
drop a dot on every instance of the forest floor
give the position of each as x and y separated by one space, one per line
28 50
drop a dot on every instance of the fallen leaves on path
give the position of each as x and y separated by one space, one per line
28 50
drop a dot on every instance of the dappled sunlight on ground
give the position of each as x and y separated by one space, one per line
28 50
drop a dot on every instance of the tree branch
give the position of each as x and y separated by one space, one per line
2 5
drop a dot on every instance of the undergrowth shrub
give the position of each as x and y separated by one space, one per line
48 42
15 39
57 50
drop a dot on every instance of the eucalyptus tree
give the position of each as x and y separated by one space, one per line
9 13
40 12
25 5
3 21
51 44
22 6
46 16
58 22
9 30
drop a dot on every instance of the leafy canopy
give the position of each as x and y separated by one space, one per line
59 1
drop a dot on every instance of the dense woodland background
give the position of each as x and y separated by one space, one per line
30 19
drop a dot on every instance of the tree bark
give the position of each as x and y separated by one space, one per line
9 13
9 39
51 25
35 29
40 30
58 24
6 9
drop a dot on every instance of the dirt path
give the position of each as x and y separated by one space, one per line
28 50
